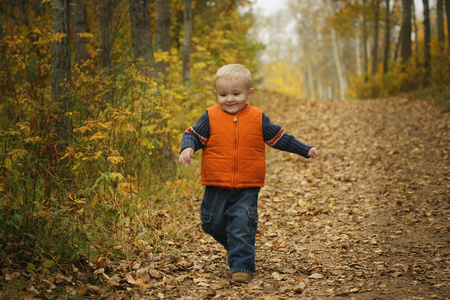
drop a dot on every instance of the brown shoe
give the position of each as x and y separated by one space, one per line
241 277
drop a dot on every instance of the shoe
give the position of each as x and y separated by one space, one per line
241 277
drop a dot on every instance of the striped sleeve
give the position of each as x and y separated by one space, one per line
275 136
202 139
196 136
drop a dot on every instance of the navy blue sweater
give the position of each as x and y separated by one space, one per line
274 135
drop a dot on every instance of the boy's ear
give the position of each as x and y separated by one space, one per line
250 93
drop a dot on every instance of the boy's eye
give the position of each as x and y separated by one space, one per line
222 95
237 94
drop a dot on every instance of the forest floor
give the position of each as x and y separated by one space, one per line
368 219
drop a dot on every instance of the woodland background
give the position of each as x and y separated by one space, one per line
95 95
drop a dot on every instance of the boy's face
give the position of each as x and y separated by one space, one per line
232 94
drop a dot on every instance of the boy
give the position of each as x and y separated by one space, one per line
232 136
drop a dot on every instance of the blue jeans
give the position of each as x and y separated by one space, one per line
230 217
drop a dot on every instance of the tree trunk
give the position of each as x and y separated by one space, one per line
188 31
358 55
387 38
405 49
163 25
376 8
163 32
427 53
447 14
37 7
105 11
440 24
60 66
366 55
2 46
141 37
80 26
339 69
415 29
311 93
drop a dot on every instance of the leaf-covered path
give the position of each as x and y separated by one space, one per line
369 219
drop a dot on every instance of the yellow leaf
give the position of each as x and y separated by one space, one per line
140 282
115 159
48 263
33 140
85 35
56 37
8 163
82 129
97 154
79 201
31 267
116 175
98 136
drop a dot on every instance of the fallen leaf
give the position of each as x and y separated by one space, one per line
316 276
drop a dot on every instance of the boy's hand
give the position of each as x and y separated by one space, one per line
313 152
185 156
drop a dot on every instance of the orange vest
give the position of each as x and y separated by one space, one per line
234 155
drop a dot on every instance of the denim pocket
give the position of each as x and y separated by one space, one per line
252 220
207 222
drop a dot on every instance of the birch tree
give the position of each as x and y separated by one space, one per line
376 9
365 35
340 72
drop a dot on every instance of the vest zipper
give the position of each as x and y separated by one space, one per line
235 166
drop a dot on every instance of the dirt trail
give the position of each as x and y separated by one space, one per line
369 219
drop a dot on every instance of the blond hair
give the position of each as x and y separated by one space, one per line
234 71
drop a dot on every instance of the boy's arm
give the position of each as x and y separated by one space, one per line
276 137
194 138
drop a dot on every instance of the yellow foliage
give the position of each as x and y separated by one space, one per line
116 176
56 37
282 78
115 159
85 35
